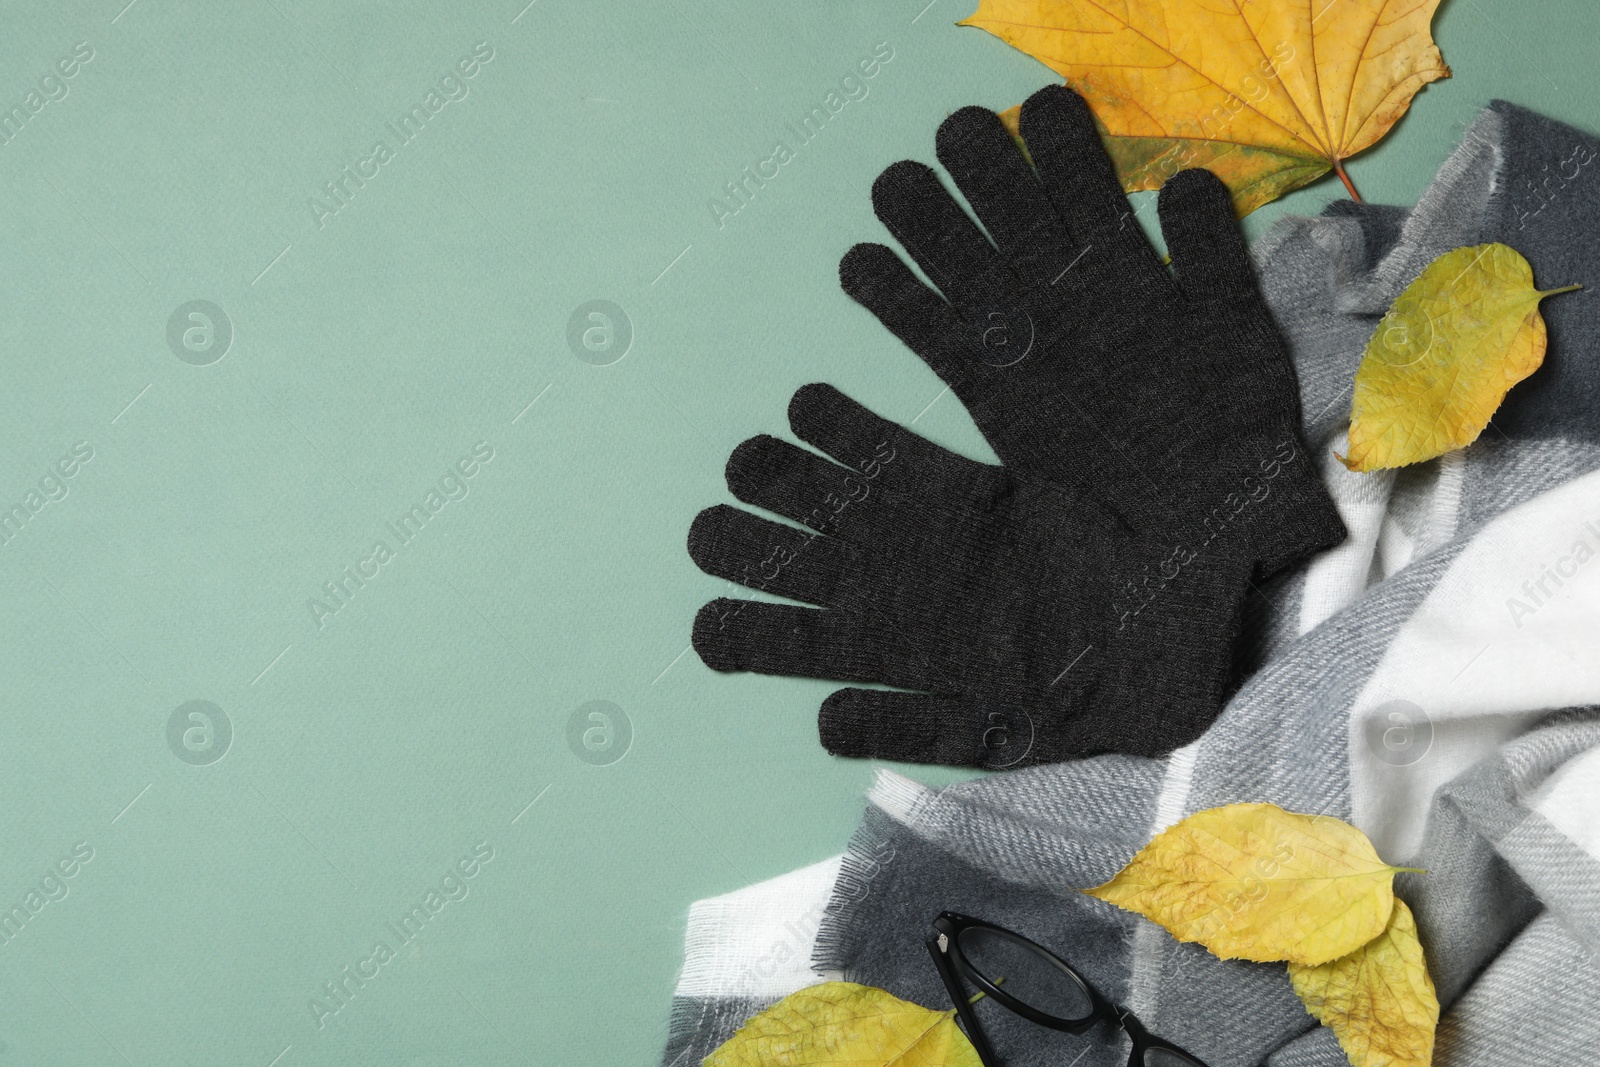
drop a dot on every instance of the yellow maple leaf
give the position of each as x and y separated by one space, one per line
1379 1000
1444 357
1267 95
845 1023
1256 882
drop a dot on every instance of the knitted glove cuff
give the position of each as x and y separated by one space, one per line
1279 514
949 730
1165 672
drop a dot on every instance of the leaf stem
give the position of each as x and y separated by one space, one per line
980 994
1338 168
1563 289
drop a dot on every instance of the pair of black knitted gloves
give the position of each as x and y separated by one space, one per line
1084 596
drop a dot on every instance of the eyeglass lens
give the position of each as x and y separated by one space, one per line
1029 974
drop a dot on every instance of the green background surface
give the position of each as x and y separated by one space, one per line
369 353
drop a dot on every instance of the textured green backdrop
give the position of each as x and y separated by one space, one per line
188 485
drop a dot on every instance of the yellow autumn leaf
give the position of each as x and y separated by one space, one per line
1379 1000
844 1023
1444 357
1256 882
1268 95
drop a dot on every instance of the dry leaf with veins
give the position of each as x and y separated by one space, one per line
844 1023
1256 882
1442 360
1379 1000
1269 95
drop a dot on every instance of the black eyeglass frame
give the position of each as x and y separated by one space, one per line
952 965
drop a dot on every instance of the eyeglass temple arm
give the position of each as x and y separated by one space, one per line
958 997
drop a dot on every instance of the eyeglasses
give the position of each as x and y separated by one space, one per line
1038 985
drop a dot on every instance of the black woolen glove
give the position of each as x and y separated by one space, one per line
1033 625
1081 358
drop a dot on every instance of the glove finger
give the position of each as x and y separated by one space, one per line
925 728
798 484
748 635
991 173
944 241
879 281
888 454
1209 254
759 554
1079 177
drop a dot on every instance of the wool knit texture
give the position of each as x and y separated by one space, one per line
1032 625
1084 597
1080 356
